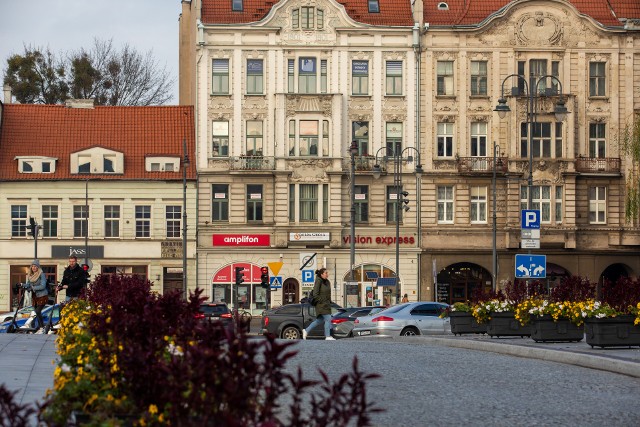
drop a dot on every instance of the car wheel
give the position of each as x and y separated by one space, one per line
290 333
409 332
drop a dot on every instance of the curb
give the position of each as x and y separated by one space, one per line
623 367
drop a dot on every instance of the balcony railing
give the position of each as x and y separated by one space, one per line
255 163
363 163
481 164
598 164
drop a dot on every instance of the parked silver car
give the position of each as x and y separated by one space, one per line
413 318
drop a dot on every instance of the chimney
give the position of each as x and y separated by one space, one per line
7 94
79 103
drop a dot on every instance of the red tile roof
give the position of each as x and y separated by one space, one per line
392 12
471 12
57 131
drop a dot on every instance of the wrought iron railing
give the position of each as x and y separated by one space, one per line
482 164
252 163
598 164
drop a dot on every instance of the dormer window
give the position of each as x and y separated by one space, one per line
374 6
97 160
36 164
160 163
443 6
236 5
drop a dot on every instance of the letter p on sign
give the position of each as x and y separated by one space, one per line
530 219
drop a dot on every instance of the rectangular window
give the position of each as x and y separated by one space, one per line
80 220
445 204
255 76
393 205
445 78
597 205
18 220
84 164
143 221
292 137
445 139
172 215
308 202
323 76
597 82
220 202
220 83
107 164
478 139
374 6
559 204
220 139
291 67
254 138
309 134
394 138
540 200
360 78
307 75
325 137
325 202
254 203
50 221
537 69
307 17
361 202
597 140
111 221
542 142
360 134
292 202
394 77
478 77
478 205
236 5
320 20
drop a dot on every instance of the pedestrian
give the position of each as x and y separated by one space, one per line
322 292
74 279
405 298
37 283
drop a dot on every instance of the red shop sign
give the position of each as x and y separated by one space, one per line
241 240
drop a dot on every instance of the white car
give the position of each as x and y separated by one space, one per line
412 318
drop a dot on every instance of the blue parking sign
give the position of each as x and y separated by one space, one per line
530 219
307 276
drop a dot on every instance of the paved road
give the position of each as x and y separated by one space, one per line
433 381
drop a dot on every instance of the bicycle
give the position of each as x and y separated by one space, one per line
243 314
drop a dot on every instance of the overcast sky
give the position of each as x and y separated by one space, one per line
65 25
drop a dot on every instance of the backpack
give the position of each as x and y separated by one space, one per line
313 299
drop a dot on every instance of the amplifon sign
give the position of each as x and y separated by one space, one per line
241 240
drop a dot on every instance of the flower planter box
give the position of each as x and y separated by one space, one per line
464 323
612 332
546 329
505 324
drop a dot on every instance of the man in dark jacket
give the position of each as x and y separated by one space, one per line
74 278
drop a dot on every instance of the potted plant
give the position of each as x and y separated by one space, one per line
558 317
462 320
613 321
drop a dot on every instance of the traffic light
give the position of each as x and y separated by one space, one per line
404 200
239 275
33 226
264 277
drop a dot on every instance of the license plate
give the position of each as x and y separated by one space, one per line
361 333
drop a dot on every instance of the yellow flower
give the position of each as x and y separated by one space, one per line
153 409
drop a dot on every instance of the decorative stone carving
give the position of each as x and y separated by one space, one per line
309 170
311 103
445 165
445 118
538 28
479 118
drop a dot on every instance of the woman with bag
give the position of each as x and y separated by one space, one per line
322 294
37 283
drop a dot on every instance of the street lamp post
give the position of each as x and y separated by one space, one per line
401 202
185 163
353 151
494 216
560 112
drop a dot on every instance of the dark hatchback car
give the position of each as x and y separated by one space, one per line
215 312
288 321
342 321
